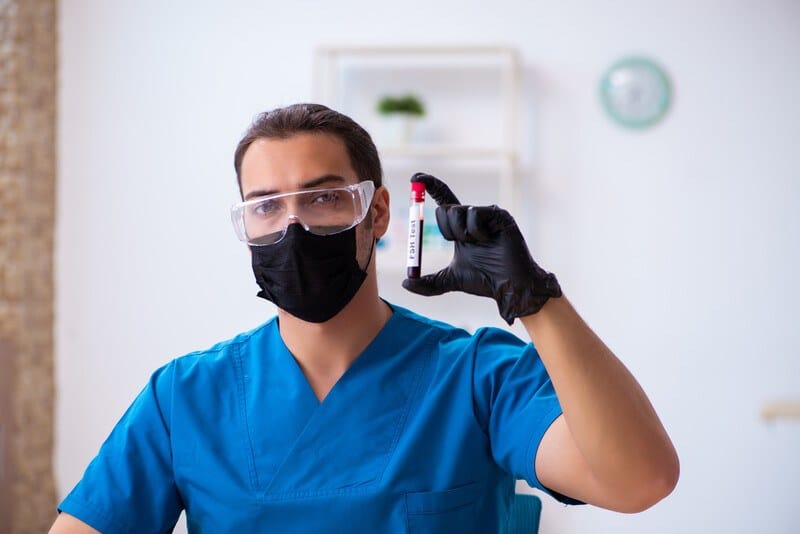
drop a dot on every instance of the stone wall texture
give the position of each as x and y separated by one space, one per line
27 214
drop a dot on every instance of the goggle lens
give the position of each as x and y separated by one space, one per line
323 211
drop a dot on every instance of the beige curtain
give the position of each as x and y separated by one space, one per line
27 208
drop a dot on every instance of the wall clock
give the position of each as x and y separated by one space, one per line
635 92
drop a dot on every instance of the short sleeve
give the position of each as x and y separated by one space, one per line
129 486
515 402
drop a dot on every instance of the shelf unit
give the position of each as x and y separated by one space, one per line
429 67
468 136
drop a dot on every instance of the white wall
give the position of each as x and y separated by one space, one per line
679 245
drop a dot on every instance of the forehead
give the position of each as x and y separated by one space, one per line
278 165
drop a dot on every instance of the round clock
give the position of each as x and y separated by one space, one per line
635 92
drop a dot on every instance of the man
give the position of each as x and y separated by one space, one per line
347 414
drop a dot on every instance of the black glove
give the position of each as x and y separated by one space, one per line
491 258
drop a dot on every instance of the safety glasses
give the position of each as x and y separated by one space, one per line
321 211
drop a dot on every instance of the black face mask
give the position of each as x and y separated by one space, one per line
310 276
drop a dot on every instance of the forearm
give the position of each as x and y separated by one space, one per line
67 524
611 420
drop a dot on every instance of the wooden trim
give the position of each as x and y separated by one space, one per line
781 410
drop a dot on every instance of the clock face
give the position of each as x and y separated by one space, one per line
635 92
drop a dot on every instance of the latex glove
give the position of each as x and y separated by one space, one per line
490 259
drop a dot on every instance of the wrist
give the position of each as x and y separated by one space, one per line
529 299
556 315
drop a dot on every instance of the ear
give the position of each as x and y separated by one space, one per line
380 212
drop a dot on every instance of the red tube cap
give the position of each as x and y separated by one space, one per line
418 191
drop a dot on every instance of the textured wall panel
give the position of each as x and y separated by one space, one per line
27 204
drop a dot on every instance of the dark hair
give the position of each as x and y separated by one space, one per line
282 123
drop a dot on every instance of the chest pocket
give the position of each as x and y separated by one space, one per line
452 510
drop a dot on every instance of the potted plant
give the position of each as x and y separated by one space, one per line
408 104
400 113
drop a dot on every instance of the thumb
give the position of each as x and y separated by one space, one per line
430 284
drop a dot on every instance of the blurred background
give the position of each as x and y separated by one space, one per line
678 241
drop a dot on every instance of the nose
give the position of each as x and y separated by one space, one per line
294 219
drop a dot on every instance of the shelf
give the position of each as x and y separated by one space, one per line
781 410
445 151
449 79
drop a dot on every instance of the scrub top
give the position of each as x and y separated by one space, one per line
425 432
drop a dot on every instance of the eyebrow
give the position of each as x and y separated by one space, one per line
314 182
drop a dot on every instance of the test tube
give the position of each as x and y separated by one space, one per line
416 223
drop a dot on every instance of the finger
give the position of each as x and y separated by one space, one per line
430 284
457 223
495 219
437 189
477 224
443 223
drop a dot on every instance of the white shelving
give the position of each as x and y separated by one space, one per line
470 93
468 136
445 151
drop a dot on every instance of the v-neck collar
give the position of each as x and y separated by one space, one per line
299 378
357 424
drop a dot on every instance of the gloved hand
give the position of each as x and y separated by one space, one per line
491 258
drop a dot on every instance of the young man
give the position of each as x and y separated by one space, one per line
347 414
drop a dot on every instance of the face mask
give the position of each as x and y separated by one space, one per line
310 276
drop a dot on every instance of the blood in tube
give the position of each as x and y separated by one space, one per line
416 223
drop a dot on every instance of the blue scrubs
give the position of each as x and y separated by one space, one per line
426 432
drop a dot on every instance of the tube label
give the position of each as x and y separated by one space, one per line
415 226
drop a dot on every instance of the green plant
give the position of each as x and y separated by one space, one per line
408 104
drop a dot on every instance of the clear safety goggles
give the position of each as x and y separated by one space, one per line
321 211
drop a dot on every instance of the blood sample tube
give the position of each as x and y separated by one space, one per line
416 222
